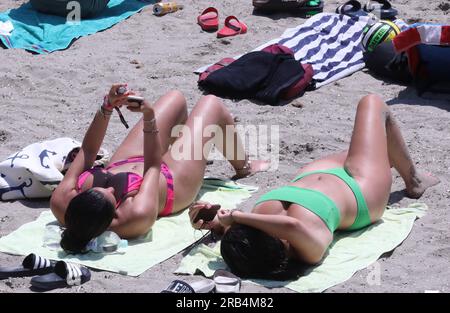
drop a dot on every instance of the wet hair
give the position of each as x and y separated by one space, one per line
88 215
252 253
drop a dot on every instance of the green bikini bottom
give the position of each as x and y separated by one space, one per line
320 204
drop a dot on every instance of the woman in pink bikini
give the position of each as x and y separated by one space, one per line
143 180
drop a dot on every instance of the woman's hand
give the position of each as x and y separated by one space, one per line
193 211
225 217
114 98
142 107
196 209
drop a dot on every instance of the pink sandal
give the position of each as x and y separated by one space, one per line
209 19
232 27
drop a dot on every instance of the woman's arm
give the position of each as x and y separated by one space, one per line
304 242
145 204
85 158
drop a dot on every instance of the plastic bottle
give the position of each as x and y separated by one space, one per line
52 237
107 242
166 7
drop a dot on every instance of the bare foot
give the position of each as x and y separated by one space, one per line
421 182
252 168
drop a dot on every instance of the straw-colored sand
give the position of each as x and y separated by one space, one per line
56 95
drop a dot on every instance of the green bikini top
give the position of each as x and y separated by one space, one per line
320 204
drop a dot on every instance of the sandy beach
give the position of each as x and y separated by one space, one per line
49 96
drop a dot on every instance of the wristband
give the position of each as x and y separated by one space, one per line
106 104
231 214
150 126
104 112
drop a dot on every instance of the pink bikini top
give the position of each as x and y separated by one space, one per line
134 182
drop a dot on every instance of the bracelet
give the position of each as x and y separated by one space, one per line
153 131
150 124
106 104
231 213
104 112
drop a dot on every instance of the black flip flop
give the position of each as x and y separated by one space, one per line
381 8
64 275
351 8
310 8
302 8
32 265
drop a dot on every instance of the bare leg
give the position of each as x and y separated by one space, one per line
416 181
170 110
376 144
189 170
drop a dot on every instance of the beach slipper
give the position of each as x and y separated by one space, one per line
310 8
382 8
351 8
64 275
232 27
201 286
32 265
226 282
209 19
301 8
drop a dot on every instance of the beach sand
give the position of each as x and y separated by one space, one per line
48 96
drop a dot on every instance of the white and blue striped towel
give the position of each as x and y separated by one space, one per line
330 42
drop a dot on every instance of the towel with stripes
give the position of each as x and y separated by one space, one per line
330 42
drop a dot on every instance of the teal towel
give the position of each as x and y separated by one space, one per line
348 253
42 33
168 236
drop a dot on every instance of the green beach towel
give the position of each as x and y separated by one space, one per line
348 253
168 236
43 33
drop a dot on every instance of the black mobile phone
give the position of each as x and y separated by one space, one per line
206 214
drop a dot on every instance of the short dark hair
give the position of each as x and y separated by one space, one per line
252 253
88 215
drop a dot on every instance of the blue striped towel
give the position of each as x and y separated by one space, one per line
330 42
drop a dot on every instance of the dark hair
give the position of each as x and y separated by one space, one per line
252 253
88 215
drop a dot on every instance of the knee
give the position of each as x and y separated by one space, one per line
177 95
371 100
178 99
211 103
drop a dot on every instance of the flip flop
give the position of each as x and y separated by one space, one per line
201 286
310 8
65 275
232 27
32 265
383 7
209 19
302 8
351 8
226 282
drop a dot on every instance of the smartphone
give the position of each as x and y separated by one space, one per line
206 214
137 99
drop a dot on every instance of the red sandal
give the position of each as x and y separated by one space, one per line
232 27
209 19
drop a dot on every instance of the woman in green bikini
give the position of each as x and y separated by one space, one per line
345 191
